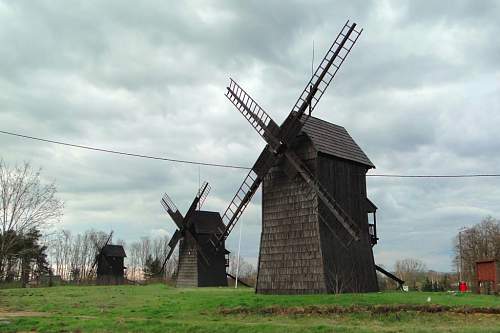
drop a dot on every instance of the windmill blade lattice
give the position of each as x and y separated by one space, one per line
244 194
278 138
172 243
203 193
184 222
168 204
328 68
258 118
172 210
99 252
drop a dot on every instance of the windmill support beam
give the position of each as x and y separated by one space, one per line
239 280
391 276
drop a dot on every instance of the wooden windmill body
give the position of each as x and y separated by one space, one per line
315 236
200 264
192 269
110 264
300 252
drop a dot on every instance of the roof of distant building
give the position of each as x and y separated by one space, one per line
206 222
113 251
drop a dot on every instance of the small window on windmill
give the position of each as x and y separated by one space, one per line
371 209
371 226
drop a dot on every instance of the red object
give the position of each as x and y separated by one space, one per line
462 286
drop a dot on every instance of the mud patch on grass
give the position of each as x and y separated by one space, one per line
373 309
5 314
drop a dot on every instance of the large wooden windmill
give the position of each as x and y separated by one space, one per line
315 232
199 265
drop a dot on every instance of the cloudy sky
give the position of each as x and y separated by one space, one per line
419 93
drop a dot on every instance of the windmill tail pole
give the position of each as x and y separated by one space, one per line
239 280
391 276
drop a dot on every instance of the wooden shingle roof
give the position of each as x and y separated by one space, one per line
206 222
114 251
334 140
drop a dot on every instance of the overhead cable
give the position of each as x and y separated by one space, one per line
218 165
125 153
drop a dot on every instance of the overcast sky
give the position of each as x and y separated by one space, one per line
419 93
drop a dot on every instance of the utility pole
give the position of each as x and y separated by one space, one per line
460 253
460 268
238 263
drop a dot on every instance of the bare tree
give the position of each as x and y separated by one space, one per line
410 270
25 204
247 272
72 256
480 242
137 256
140 251
133 261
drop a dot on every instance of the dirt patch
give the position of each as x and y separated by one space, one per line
374 309
4 314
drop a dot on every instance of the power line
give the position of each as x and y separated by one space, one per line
125 153
226 165
436 176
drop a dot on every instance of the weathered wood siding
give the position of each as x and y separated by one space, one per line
187 269
299 253
110 266
290 260
349 269
110 270
214 274
192 269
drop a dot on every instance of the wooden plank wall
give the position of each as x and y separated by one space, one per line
298 252
214 274
347 269
110 266
187 271
290 260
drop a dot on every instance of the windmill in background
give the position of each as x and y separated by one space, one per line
200 264
109 262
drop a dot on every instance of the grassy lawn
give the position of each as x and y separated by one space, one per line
158 308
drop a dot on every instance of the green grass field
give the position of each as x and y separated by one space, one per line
159 308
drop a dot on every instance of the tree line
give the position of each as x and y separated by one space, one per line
479 242
417 277
73 255
27 205
476 243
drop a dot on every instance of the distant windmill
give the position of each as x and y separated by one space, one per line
200 265
315 232
109 260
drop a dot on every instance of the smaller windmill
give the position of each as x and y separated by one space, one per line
200 264
109 261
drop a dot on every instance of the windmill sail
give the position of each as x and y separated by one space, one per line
278 138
